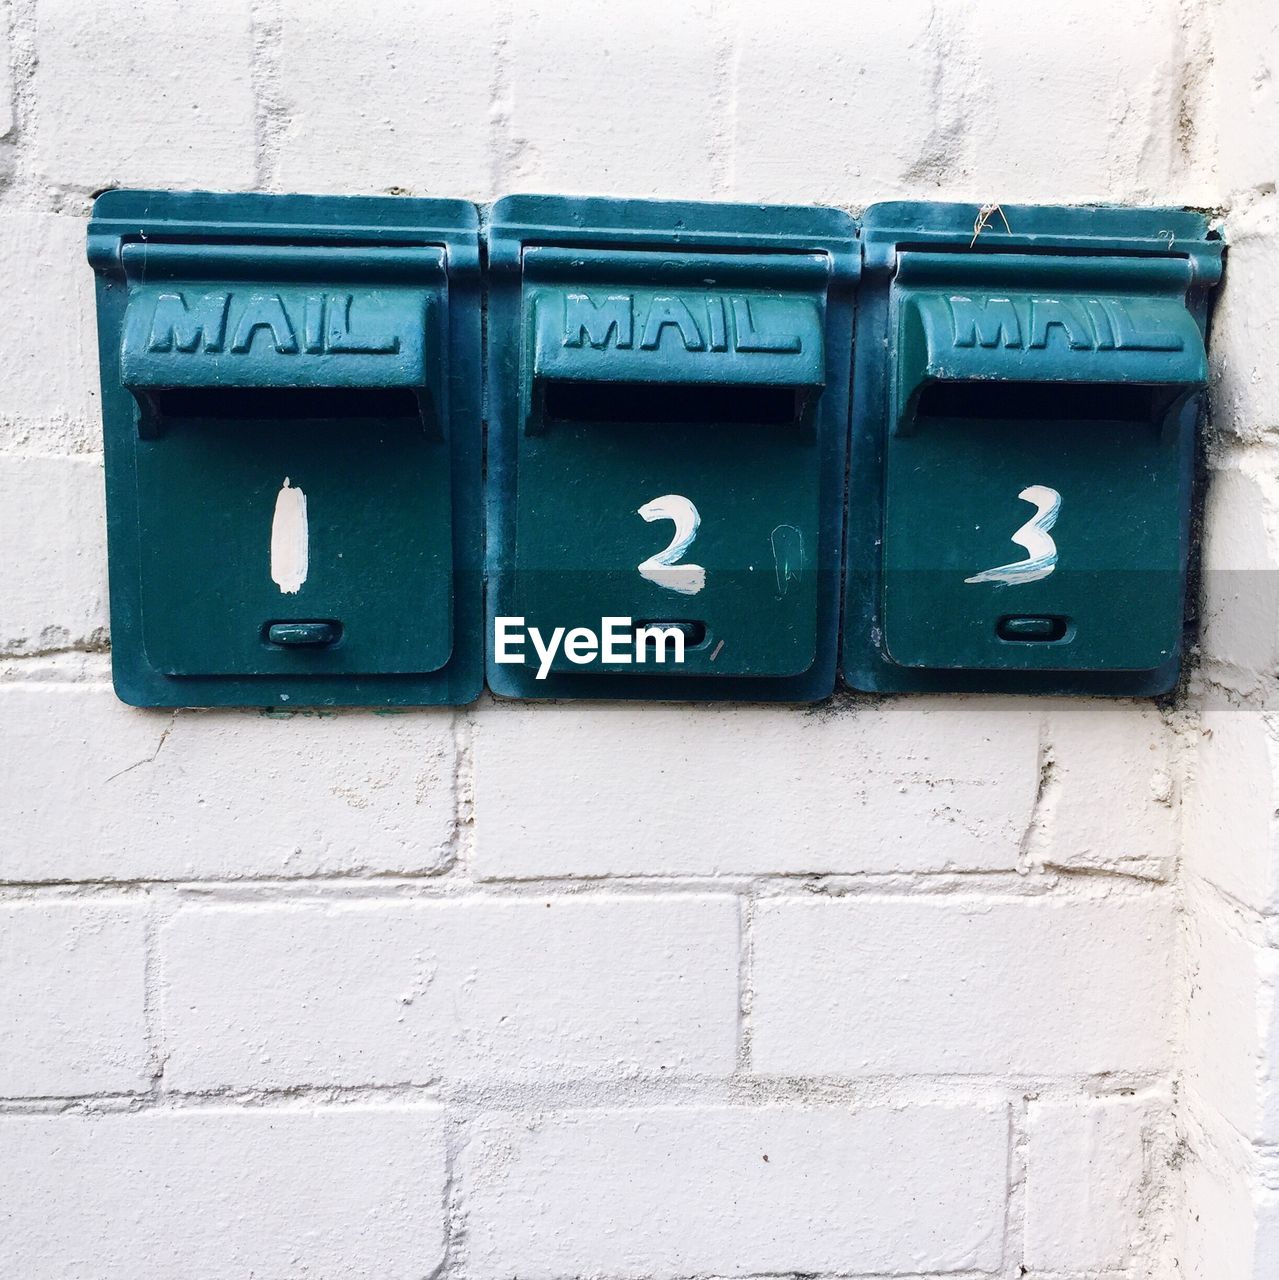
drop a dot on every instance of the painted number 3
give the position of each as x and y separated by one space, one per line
665 568
1041 550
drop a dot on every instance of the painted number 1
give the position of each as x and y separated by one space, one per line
664 568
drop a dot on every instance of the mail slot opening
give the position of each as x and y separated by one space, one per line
671 403
1048 401
292 403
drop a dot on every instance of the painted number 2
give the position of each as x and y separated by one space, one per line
1041 550
664 568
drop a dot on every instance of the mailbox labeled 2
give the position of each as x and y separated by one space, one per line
1021 480
669 411
290 407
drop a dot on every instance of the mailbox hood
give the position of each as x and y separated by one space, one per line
975 334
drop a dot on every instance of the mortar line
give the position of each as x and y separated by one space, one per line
23 188
152 997
501 105
747 903
726 75
1083 885
270 117
1014 1240
536 1091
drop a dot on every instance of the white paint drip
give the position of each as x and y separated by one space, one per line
1033 535
290 540
663 569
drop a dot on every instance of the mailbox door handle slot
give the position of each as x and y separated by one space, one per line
303 635
1033 630
695 634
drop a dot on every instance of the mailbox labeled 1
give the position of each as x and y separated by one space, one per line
1024 443
291 417
668 425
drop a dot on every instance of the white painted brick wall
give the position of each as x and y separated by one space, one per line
225 1193
51 350
686 1191
1246 52
1231 1111
1088 1158
964 985
213 795
1233 1034
72 999
1231 803
1246 329
716 792
54 579
895 987
409 108
1091 750
1233 1063
128 94
385 994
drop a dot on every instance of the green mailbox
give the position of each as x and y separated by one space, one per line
668 404
1027 392
291 413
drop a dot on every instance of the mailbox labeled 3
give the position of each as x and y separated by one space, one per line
1022 469
668 433
292 447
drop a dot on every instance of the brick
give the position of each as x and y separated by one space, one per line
1073 114
137 94
1240 586
53 581
912 785
1083 1183
224 1194
1230 1221
871 986
1118 750
399 101
1245 331
729 1191
1246 77
205 794
609 99
384 993
72 993
51 351
1231 798
837 102
1232 1056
